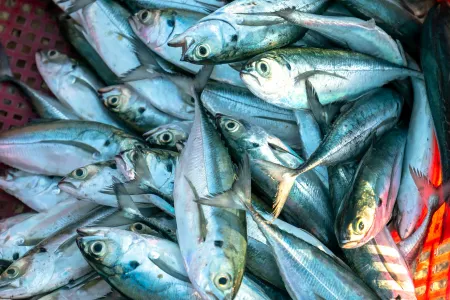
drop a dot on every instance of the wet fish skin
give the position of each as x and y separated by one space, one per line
418 154
203 7
382 267
169 135
39 192
240 104
76 143
20 238
435 51
9 222
53 263
368 207
87 183
143 259
156 27
240 30
133 109
307 204
341 178
204 170
74 85
76 35
419 8
279 76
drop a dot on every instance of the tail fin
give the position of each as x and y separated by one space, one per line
193 86
5 69
286 178
424 186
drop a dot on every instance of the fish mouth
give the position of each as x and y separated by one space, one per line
67 186
348 244
40 57
247 77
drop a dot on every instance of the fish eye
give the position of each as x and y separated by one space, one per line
12 272
138 227
223 281
359 225
80 173
144 16
203 50
263 68
113 101
98 248
52 53
231 126
166 137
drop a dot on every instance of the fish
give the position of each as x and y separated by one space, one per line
380 264
149 266
411 246
203 7
391 16
350 136
156 27
54 262
419 8
65 5
76 35
87 183
313 39
239 103
212 240
62 146
39 192
435 50
307 271
279 76
9 222
74 85
45 105
169 135
133 109
419 155
239 30
22 237
367 209
350 32
341 178
307 205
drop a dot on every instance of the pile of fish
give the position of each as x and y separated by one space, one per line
253 149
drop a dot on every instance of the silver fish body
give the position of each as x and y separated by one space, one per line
9 222
241 104
279 76
368 207
341 178
74 85
39 192
419 155
156 27
62 146
240 30
169 135
203 7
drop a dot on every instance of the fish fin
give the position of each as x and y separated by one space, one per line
77 5
240 191
168 268
5 69
202 218
81 280
139 73
316 107
125 202
402 52
286 178
63 245
307 74
371 23
202 77
423 184
85 83
80 145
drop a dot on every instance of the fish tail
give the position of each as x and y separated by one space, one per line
286 178
5 69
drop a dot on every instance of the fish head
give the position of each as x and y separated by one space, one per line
166 136
52 63
153 26
25 277
126 162
356 217
208 41
88 179
116 98
267 75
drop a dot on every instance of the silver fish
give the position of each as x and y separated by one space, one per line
59 147
149 266
156 27
418 154
240 104
212 240
74 85
341 178
367 209
133 109
240 30
39 192
279 76
87 183
203 6
20 238
169 135
350 135
9 222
